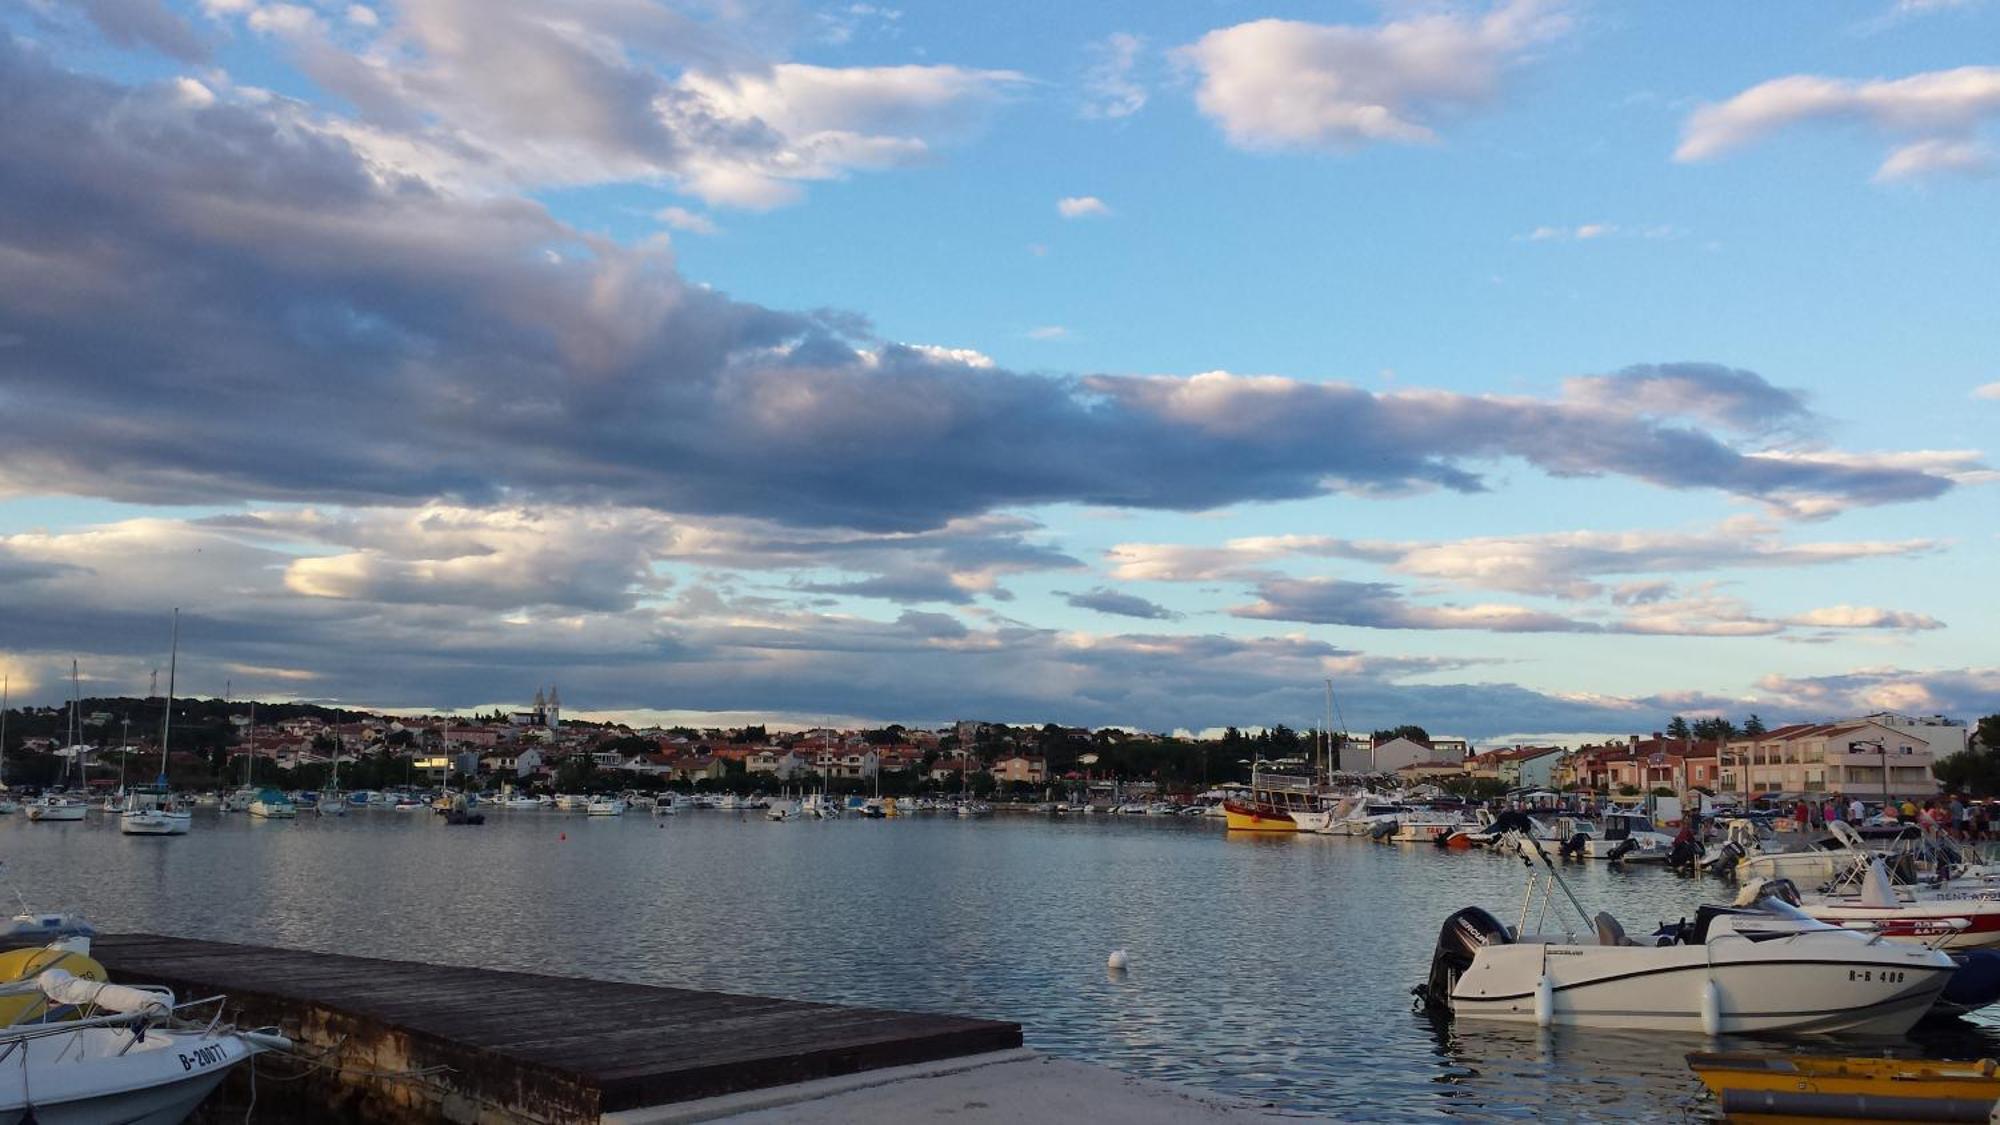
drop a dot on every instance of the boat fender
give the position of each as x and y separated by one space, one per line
1711 1008
1545 1001
1117 961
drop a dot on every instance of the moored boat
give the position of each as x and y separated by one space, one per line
270 804
1733 969
1874 1089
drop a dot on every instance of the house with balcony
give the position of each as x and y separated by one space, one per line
1029 769
1863 758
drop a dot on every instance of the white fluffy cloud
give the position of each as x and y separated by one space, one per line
1275 83
1081 207
1938 110
503 94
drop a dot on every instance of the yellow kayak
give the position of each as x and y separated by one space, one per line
1777 1087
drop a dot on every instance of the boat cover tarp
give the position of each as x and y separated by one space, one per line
64 987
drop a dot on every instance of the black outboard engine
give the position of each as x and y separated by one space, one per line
1684 855
1725 859
1463 936
1384 830
1784 890
1622 849
1573 847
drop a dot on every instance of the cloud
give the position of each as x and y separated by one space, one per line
1378 605
469 349
1563 564
1960 692
1276 84
1110 89
1990 391
1048 332
1939 109
682 219
1081 207
1583 232
1923 158
1703 613
146 24
490 95
1106 600
1723 396
1864 617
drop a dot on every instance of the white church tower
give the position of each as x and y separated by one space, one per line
554 710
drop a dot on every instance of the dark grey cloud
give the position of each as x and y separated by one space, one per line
293 321
146 23
1103 599
1381 605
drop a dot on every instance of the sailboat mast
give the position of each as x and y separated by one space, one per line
5 684
167 720
75 705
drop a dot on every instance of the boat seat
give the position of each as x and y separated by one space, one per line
1609 932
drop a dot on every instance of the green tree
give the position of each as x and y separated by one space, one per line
1753 727
1677 727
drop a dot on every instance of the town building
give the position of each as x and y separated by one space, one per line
1030 769
1863 758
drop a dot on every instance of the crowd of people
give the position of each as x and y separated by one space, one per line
1957 814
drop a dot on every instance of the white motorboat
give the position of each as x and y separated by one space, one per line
1770 968
606 806
1942 917
572 802
1625 837
55 807
132 1064
783 810
238 800
729 802
520 803
666 805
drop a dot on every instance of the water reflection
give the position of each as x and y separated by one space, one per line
1276 969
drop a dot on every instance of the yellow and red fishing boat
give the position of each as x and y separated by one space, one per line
1769 1088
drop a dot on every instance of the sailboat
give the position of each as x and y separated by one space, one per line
7 803
154 810
332 802
54 806
241 800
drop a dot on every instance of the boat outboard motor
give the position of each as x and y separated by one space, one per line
1463 936
1784 890
1622 849
1383 830
1573 848
1726 858
1686 854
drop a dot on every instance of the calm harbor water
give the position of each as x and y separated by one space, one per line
1276 969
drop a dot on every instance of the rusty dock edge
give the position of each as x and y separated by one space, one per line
399 1041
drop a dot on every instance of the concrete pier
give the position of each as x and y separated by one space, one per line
397 1041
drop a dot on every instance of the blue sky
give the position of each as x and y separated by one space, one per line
1526 368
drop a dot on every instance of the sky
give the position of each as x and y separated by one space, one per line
1528 369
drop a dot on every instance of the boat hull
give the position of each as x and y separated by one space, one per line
1764 986
152 823
56 813
1249 818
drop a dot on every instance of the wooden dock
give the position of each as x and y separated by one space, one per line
522 1047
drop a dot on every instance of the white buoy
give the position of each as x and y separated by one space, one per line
1116 962
1545 1001
1711 1008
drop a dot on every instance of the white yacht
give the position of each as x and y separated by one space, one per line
154 812
606 806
